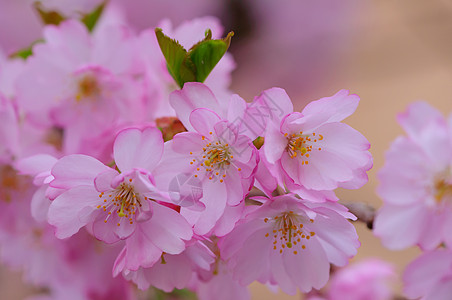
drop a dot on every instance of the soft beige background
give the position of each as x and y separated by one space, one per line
398 51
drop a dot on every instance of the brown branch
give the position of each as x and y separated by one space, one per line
363 211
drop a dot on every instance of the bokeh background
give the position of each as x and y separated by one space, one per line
388 52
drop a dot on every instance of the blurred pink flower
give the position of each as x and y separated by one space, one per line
429 277
416 183
365 280
82 83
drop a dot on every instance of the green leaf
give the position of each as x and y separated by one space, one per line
175 55
48 17
206 54
90 19
25 52
195 64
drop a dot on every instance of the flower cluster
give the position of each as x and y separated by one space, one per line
106 166
416 186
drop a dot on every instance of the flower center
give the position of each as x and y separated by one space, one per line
443 190
88 87
301 144
289 232
215 159
9 182
123 201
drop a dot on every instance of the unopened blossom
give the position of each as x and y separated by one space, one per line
429 277
290 243
111 203
314 149
416 183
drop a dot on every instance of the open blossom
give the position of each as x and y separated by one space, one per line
313 148
112 202
214 154
429 277
290 243
416 183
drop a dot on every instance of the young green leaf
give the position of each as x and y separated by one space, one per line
90 19
196 63
206 54
25 52
175 55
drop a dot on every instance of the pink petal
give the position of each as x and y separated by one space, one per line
167 229
136 148
193 95
335 108
103 181
203 121
275 144
76 169
66 210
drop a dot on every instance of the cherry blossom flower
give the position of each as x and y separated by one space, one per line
313 148
416 183
84 87
112 203
290 243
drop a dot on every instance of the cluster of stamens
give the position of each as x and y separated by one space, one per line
443 190
289 232
215 159
88 88
123 201
301 144
9 182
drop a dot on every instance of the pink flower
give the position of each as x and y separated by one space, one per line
290 243
429 277
416 183
366 280
213 154
173 271
112 203
313 148
86 84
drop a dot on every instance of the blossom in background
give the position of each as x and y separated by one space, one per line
76 82
288 242
366 280
416 183
429 277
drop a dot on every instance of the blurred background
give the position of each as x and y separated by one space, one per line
388 52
